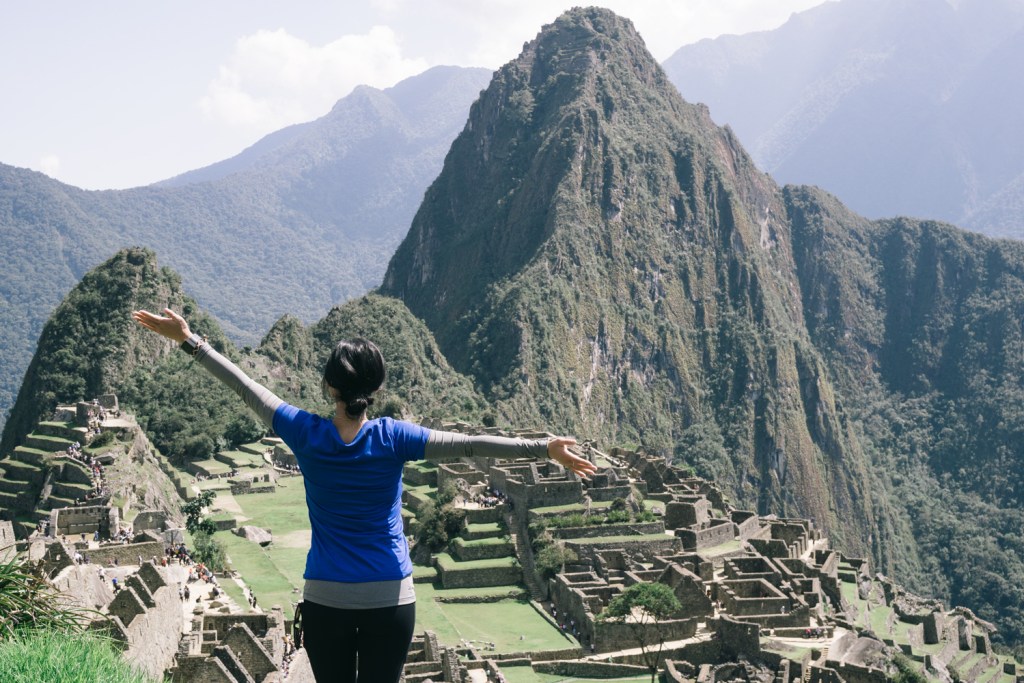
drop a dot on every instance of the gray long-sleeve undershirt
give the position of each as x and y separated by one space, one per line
440 445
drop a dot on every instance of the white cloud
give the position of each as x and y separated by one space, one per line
274 79
49 164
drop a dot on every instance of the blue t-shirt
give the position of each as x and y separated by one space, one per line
354 494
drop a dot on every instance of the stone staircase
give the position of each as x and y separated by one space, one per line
521 538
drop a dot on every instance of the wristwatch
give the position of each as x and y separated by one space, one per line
192 344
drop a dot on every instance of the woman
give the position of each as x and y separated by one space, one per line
358 606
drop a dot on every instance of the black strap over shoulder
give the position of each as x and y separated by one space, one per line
297 626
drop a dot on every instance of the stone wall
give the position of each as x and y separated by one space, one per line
468 551
609 635
596 530
720 531
127 554
647 547
415 474
75 521
150 519
689 590
739 638
453 471
747 523
477 578
149 632
582 668
606 493
545 494
752 597
684 514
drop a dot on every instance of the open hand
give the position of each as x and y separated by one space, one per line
172 325
558 450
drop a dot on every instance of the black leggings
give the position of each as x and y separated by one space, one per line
335 639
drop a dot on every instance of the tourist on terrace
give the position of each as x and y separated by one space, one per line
358 603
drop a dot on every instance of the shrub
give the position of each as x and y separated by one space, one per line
27 601
208 550
552 559
438 525
103 439
48 655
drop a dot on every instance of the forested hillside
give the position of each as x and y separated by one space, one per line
303 220
620 268
91 346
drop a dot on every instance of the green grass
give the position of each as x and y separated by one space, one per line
55 656
499 540
721 549
571 507
525 674
234 591
449 563
274 571
272 575
212 466
620 539
499 622
241 459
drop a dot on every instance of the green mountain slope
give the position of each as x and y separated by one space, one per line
601 258
303 220
91 346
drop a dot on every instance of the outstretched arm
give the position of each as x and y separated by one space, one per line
261 400
447 445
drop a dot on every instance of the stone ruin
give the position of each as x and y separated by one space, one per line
232 647
742 580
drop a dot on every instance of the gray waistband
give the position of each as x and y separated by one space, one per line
368 595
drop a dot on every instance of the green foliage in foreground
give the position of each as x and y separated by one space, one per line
27 601
45 655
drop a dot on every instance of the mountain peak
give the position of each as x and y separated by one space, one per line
599 255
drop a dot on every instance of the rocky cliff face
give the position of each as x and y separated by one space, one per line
603 259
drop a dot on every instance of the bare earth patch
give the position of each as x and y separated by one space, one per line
300 538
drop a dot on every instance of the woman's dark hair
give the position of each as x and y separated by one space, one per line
355 370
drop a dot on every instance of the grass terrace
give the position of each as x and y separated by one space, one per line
275 575
210 467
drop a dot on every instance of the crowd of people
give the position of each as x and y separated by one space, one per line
491 497
100 491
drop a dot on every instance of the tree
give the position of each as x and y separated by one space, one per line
640 606
438 525
208 550
195 523
552 559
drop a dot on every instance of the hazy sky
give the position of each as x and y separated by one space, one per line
119 93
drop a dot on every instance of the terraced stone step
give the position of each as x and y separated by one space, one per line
16 470
32 456
72 490
63 430
11 486
49 444
57 502
23 528
8 501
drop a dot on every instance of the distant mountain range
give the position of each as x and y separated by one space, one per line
899 107
306 218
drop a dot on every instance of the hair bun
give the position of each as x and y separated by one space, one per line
357 406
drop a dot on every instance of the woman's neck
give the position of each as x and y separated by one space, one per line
348 427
